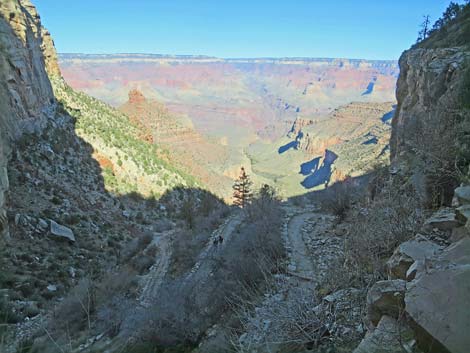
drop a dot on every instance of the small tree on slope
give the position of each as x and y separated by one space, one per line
242 190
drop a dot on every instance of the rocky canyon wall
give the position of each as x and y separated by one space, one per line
430 103
27 59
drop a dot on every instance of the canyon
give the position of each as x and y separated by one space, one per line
117 232
242 107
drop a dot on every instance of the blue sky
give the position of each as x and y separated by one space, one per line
368 29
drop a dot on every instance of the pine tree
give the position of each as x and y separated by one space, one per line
425 29
242 190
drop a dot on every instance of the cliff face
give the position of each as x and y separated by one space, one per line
428 87
429 102
27 57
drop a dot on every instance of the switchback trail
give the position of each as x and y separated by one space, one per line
154 278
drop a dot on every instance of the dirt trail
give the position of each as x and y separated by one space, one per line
308 242
152 281
225 231
154 278
300 260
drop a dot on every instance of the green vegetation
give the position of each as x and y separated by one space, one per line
242 190
465 90
96 120
452 29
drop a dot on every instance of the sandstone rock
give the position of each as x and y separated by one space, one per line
462 193
438 301
409 252
385 298
61 231
444 219
389 336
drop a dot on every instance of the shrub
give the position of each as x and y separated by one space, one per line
264 210
137 245
188 212
377 229
437 146
339 198
76 310
465 89
294 326
142 263
242 265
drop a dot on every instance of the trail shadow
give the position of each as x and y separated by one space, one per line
320 174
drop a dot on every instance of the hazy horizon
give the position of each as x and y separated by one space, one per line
365 29
204 56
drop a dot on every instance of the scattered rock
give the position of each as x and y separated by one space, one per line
390 336
463 213
413 270
385 298
52 288
438 302
409 252
61 231
462 194
444 219
341 294
42 224
459 233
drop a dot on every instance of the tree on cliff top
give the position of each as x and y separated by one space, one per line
242 189
425 29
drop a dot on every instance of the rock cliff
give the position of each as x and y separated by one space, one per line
27 57
426 294
425 136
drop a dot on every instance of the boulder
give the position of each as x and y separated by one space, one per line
61 231
438 301
444 219
463 213
462 193
407 253
460 233
390 336
385 298
417 266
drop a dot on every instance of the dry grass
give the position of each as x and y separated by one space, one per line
377 226
289 325
340 198
442 153
188 306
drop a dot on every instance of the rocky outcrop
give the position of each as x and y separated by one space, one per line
187 148
390 336
438 301
429 82
428 95
432 296
27 57
298 125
